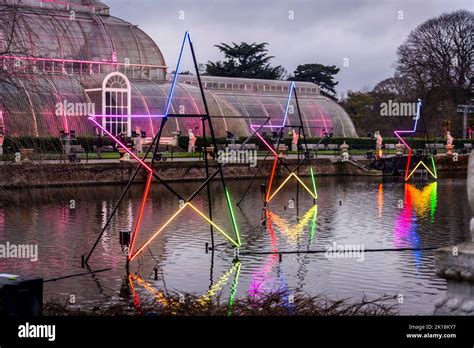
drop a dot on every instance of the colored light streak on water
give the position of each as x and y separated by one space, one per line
217 286
406 234
417 204
262 279
424 200
259 278
135 298
380 199
294 232
158 296
314 222
233 290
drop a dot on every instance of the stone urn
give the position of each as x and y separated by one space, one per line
456 265
344 151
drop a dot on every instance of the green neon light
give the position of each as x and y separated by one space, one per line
234 223
434 168
233 290
313 181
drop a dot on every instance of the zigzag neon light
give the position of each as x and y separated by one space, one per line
408 174
230 239
151 173
269 195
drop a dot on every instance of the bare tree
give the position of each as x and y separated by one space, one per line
437 61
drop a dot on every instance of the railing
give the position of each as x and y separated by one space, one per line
69 67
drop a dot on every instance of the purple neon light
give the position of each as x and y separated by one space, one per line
397 132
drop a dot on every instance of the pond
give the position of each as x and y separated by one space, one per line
369 213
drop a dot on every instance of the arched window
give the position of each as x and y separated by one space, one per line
116 101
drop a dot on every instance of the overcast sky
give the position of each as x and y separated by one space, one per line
366 32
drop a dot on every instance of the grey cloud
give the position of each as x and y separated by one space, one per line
367 32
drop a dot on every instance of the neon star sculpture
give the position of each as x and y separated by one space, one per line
409 173
236 241
270 195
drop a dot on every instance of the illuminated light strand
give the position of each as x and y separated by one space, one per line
140 213
133 255
408 174
270 196
121 145
299 180
313 180
271 179
236 243
234 222
288 101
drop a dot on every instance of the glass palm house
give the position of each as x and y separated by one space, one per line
73 52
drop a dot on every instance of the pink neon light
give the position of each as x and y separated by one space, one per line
131 116
267 144
68 3
80 61
122 145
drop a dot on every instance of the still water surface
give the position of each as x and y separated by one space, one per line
354 211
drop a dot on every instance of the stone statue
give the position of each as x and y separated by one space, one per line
192 141
294 143
379 139
449 144
449 138
378 146
138 141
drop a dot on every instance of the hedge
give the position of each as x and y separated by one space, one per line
53 145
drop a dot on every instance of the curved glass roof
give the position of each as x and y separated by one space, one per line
48 33
46 36
31 109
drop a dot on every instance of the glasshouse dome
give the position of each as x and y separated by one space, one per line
64 60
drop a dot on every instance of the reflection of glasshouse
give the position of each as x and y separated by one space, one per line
97 59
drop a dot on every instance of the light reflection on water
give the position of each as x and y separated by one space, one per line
349 211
